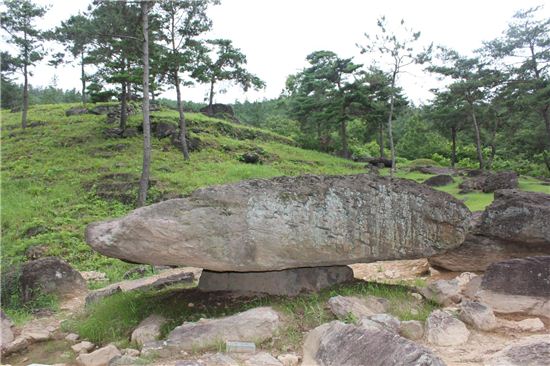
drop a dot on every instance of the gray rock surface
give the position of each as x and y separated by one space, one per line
478 315
529 351
518 286
148 330
50 275
500 180
439 180
442 329
411 329
7 333
288 222
387 321
515 225
288 282
82 347
344 306
255 325
100 357
336 344
443 292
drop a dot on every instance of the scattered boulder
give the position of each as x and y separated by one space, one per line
100 357
525 325
443 292
125 360
442 329
72 337
518 286
163 129
104 109
289 359
96 276
148 330
378 162
76 111
288 222
411 329
515 225
35 230
529 351
500 180
35 252
222 111
475 183
6 332
439 180
288 282
436 170
478 315
387 321
83 347
262 359
336 343
343 306
250 158
50 275
255 325
18 344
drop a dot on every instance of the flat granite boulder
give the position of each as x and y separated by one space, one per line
336 344
288 222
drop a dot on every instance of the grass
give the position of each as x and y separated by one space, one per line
113 319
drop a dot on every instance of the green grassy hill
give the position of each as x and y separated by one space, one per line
63 172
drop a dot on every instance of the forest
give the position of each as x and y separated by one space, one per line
492 112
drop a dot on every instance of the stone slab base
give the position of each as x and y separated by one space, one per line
288 282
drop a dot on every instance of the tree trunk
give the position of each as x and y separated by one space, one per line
478 138
390 128
123 107
381 139
25 97
83 78
182 123
144 180
210 110
453 147
344 137
493 144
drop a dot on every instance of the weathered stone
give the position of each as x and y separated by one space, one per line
148 330
387 321
439 180
289 282
262 359
72 337
125 360
477 314
255 325
94 276
131 352
426 169
36 334
250 158
18 344
343 306
50 275
219 359
515 225
411 329
337 344
500 180
443 292
83 347
525 325
288 222
518 286
163 129
443 329
100 357
289 359
6 332
378 162
35 252
98 295
529 351
76 111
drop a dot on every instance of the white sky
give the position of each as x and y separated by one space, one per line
277 35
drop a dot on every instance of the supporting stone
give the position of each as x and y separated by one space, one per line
288 282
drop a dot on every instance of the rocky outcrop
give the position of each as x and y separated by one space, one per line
255 325
50 275
436 170
532 351
288 282
515 225
288 222
489 181
346 306
148 330
336 343
439 180
518 286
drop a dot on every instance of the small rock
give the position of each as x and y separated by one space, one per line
219 359
532 351
412 329
442 329
7 334
442 292
477 314
135 272
343 306
148 330
18 344
190 305
526 325
94 276
37 335
433 272
131 352
417 296
464 278
100 357
250 158
262 359
289 359
125 360
387 321
72 337
83 347
439 180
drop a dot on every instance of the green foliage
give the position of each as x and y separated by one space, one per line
420 141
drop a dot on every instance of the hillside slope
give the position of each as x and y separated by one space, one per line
64 172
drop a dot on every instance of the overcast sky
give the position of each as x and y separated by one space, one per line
277 35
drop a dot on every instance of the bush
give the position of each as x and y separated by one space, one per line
441 160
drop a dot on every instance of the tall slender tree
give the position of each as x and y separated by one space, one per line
18 21
183 22
401 50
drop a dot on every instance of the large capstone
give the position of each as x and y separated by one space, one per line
288 222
